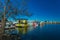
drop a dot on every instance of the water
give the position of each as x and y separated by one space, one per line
47 32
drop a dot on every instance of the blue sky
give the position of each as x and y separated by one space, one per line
42 9
45 9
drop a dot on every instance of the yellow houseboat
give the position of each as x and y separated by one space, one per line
22 26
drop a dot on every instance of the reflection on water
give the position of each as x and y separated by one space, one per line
47 32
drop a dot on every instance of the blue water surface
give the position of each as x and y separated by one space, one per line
47 32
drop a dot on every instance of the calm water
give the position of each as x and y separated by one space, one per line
47 32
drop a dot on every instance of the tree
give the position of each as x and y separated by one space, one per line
8 10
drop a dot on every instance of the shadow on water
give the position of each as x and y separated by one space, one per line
48 32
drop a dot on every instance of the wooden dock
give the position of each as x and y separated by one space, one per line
9 37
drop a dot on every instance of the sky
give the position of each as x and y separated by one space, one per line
45 9
42 10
